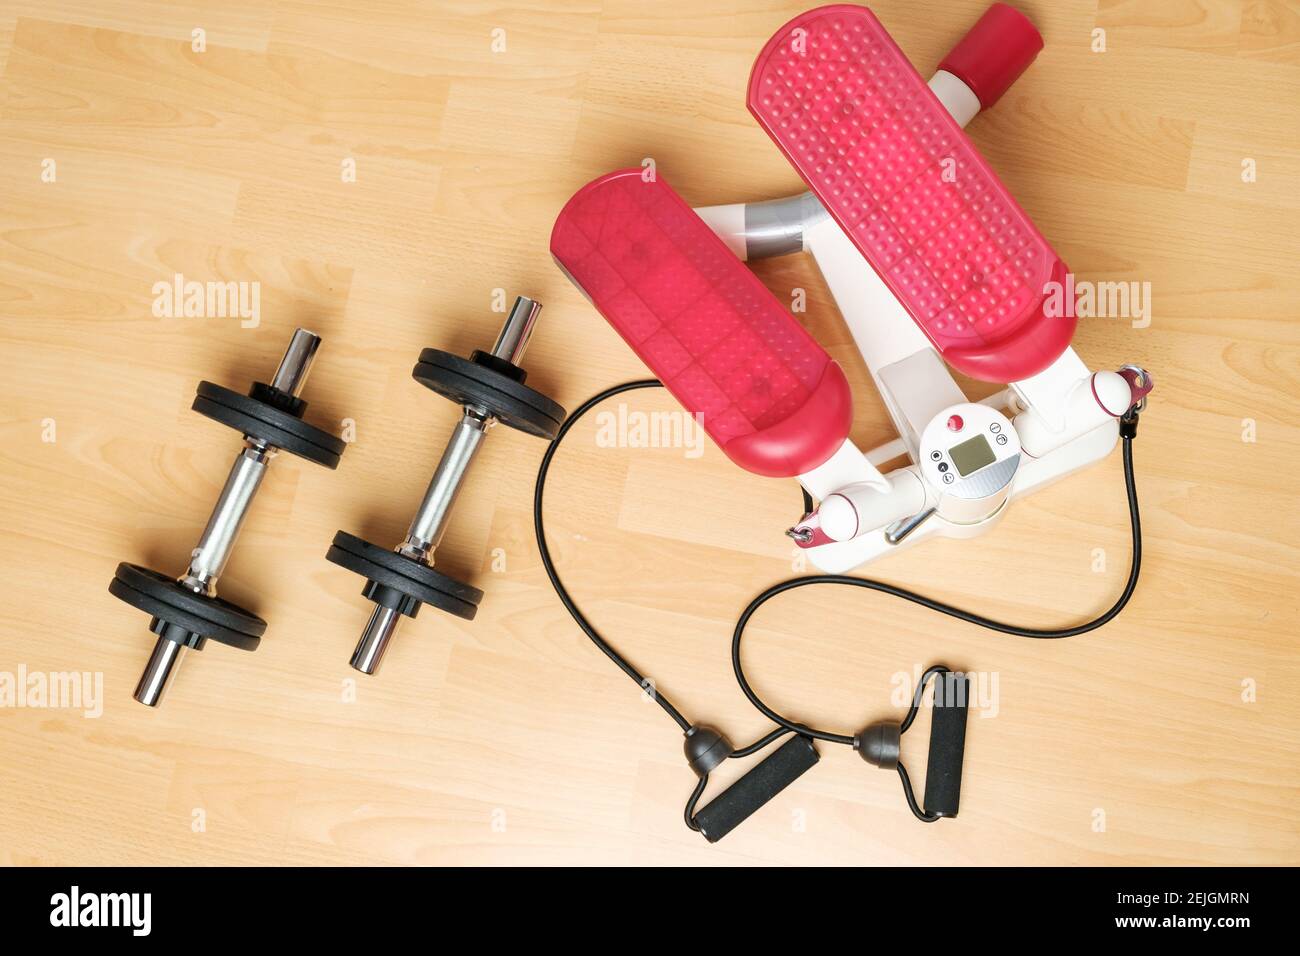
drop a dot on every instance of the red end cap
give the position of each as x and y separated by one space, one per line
806 439
1037 345
994 53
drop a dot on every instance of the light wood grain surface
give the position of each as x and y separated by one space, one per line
1170 736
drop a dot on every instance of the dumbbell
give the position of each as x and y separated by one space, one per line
489 387
186 612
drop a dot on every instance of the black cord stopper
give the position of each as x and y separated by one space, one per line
705 747
879 744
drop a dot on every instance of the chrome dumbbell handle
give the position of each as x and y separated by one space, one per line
208 560
431 519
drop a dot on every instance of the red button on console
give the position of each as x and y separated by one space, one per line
955 423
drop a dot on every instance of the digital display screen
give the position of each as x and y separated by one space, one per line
972 455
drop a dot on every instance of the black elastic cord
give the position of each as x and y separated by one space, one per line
978 619
545 551
785 725
693 799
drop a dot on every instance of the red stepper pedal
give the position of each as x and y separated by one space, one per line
901 178
768 394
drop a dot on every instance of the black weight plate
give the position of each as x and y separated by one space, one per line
405 575
164 598
248 425
468 383
401 564
273 415
256 418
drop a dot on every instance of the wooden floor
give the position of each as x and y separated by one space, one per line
1172 736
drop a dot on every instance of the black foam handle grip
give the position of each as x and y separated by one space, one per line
738 802
947 744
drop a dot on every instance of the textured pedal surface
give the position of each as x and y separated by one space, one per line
898 174
767 393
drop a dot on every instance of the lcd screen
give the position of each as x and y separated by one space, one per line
972 455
